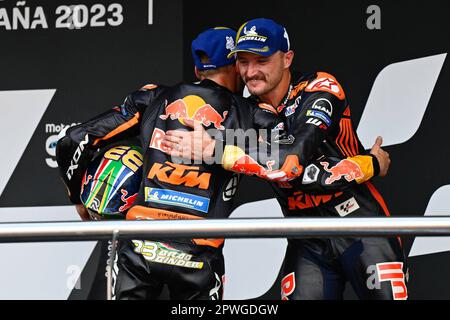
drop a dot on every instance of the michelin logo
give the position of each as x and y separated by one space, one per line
251 35
179 199
229 43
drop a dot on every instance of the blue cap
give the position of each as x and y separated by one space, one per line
262 37
216 43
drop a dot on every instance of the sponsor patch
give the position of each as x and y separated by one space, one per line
157 137
315 122
231 188
311 174
346 168
287 286
347 207
318 114
279 126
393 272
290 110
300 200
159 252
195 108
178 199
323 105
178 174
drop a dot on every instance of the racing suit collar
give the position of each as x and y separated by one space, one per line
212 84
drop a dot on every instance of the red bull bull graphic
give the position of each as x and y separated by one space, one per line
207 115
348 169
175 110
194 108
235 159
128 201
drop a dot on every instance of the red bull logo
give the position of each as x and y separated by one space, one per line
127 200
348 169
194 108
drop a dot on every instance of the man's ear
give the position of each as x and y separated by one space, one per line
288 58
197 73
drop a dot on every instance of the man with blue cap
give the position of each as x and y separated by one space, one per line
316 114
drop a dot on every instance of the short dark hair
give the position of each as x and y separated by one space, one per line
205 59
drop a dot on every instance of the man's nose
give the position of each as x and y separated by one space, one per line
252 70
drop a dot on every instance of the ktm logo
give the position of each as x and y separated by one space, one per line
302 200
178 174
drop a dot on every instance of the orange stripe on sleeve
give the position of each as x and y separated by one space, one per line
351 138
342 143
340 137
347 112
379 198
119 129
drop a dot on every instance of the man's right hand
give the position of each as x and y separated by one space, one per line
195 145
382 156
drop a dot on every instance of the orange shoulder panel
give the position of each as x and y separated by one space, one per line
328 83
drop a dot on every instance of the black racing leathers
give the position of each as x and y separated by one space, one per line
178 191
375 267
317 119
319 168
193 189
192 268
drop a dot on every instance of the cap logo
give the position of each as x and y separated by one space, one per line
230 43
252 31
251 35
